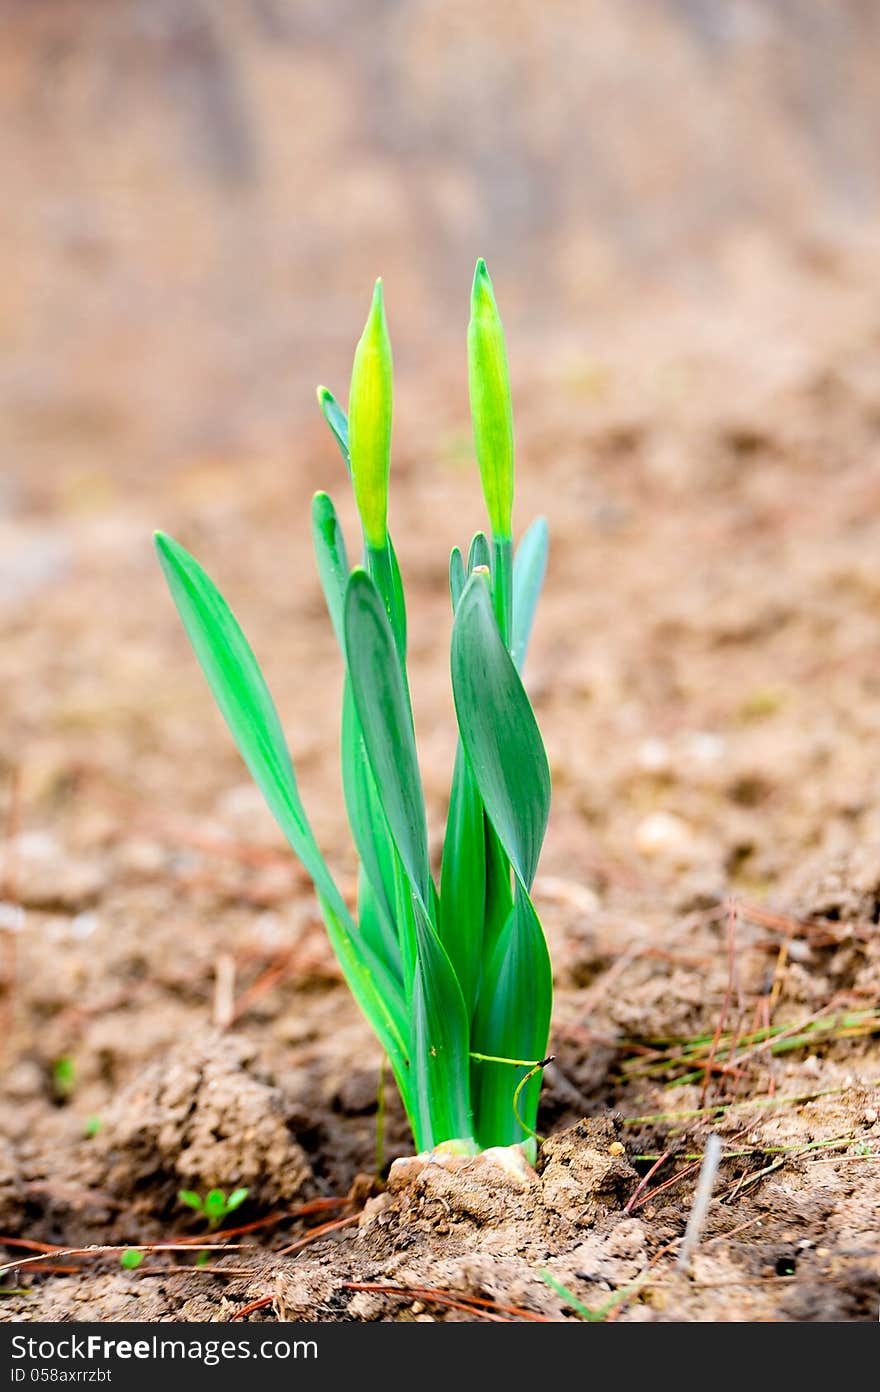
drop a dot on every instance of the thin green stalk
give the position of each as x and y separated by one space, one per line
502 585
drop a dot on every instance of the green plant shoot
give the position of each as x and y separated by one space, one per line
453 974
213 1206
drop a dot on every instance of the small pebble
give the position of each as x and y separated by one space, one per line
705 748
616 1148
664 835
83 925
654 756
11 917
870 1116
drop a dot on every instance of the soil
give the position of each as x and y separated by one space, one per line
704 668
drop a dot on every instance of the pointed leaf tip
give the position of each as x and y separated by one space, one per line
337 421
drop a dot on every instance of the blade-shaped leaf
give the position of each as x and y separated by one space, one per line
499 731
457 576
529 567
512 1020
365 815
382 705
439 1020
332 560
478 552
376 990
381 565
463 880
242 695
376 928
439 1044
502 585
499 895
248 709
337 421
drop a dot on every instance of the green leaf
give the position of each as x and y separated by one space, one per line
499 731
502 585
131 1259
457 576
369 423
243 697
332 559
364 808
382 567
529 566
499 895
512 1020
440 1045
236 1199
463 880
376 990
506 754
337 421
215 1203
478 552
246 705
490 402
378 929
440 1090
191 1199
370 832
382 705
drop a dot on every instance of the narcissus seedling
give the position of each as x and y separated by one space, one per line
454 977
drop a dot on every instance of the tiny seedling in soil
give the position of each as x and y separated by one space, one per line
131 1259
215 1206
601 1313
452 972
63 1078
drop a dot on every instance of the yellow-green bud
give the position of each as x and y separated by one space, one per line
369 423
490 403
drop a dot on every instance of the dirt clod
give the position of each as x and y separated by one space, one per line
583 1177
203 1118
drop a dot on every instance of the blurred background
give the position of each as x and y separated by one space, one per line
679 201
199 195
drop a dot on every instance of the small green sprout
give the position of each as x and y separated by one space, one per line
91 1126
215 1206
453 976
131 1259
601 1312
64 1077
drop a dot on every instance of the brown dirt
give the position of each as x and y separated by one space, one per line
704 668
